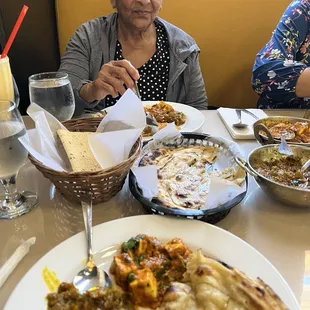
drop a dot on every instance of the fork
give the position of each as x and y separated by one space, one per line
137 90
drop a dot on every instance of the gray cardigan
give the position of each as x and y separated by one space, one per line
94 43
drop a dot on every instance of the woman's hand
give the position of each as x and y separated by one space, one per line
111 80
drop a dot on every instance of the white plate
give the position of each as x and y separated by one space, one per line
194 118
66 258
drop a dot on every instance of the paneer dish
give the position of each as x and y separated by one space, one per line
146 267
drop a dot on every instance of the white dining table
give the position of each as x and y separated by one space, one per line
281 233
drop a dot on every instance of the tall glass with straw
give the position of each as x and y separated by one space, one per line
8 88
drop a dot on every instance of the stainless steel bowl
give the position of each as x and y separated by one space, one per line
263 124
293 196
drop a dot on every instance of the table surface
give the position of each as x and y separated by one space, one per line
280 233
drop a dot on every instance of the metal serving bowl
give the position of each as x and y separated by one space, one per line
263 124
293 196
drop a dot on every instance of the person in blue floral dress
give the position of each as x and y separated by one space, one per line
281 73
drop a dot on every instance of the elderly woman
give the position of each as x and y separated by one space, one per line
281 73
108 54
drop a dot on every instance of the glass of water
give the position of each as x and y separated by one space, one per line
13 155
53 92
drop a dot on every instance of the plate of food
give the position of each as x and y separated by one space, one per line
185 117
185 170
295 130
157 263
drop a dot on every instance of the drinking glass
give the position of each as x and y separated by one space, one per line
53 92
13 155
8 89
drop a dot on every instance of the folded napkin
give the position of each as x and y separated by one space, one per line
229 117
13 261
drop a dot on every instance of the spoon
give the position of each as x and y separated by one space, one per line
305 166
240 125
284 148
90 277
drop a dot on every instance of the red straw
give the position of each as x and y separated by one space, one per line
14 31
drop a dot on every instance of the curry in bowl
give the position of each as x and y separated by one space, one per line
285 170
294 130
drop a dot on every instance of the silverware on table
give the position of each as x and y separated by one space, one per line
240 125
250 113
91 276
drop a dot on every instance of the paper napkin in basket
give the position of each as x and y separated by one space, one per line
220 190
110 146
42 140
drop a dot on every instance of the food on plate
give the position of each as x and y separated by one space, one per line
146 267
184 175
292 131
285 170
164 113
68 297
219 286
78 151
150 274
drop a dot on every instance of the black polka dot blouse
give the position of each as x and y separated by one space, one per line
154 74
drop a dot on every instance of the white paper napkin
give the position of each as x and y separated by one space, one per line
147 180
42 142
229 117
127 113
112 148
221 191
13 261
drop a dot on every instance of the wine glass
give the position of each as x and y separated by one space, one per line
13 155
53 92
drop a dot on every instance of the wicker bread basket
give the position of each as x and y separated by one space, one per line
102 184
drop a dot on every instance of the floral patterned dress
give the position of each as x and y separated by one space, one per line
279 64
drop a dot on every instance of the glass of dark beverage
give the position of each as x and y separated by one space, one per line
53 92
13 155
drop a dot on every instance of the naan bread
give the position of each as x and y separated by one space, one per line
78 151
182 179
183 176
217 286
179 296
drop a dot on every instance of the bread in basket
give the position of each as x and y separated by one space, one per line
103 184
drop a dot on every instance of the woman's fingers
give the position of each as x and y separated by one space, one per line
130 69
114 77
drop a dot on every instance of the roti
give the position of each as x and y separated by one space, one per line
78 151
